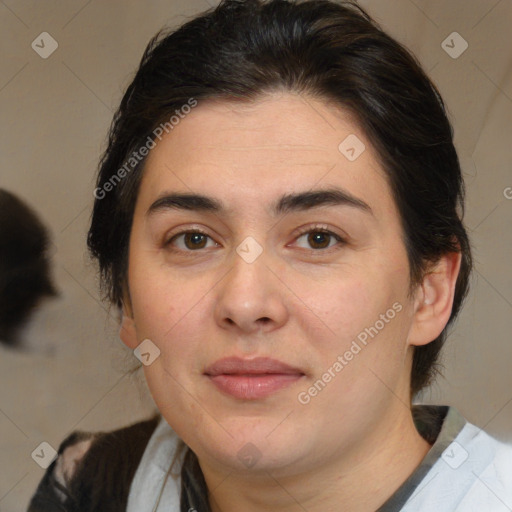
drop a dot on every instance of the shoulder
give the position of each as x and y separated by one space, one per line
497 453
474 473
490 463
93 469
466 470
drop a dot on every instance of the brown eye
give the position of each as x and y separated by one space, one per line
190 241
195 240
319 239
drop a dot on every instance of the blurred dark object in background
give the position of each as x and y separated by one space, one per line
24 265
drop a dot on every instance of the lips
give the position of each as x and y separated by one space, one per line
250 379
257 366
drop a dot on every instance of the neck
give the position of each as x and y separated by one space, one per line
362 480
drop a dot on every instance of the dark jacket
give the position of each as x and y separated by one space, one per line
102 477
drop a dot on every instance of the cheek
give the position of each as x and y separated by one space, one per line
174 312
160 300
357 325
173 319
344 305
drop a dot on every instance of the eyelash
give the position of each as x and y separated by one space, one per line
310 229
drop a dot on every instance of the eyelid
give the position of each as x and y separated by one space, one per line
341 240
185 228
169 237
325 228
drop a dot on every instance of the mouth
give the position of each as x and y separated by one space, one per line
251 379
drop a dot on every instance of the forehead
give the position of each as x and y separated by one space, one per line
253 151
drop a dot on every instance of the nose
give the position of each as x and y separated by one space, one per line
251 298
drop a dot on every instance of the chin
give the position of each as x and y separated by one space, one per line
253 447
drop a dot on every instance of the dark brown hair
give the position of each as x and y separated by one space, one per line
335 52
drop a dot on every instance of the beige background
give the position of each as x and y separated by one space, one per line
55 115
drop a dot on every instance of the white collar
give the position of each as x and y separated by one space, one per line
152 481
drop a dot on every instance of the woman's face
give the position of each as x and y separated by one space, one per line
279 270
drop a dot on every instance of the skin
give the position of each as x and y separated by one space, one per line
355 441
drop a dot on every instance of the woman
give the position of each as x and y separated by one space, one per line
278 217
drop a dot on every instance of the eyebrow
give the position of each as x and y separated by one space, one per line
285 204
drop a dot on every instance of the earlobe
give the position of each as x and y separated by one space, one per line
128 331
434 300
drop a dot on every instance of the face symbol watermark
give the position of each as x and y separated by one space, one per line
455 455
351 147
249 455
44 45
507 192
249 250
44 455
147 352
454 45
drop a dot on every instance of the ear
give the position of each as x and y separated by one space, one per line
128 331
434 300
